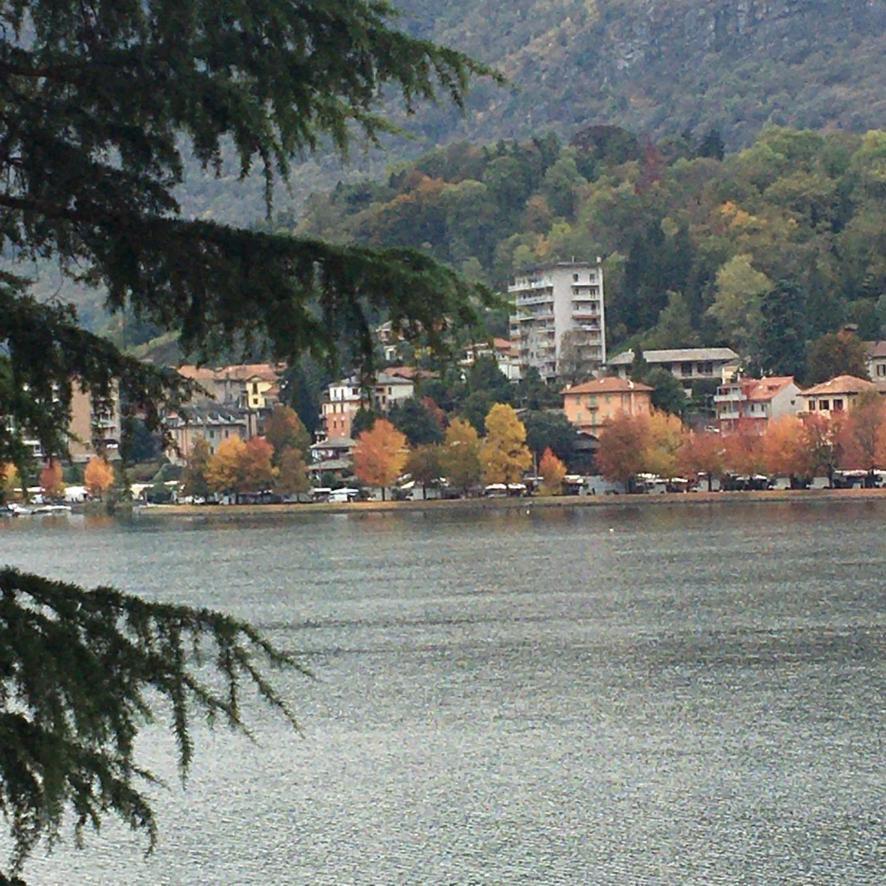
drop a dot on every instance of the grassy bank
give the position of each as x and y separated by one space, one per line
564 501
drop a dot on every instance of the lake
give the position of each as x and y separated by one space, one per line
601 695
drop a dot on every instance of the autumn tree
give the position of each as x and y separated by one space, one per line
224 472
622 448
824 442
380 455
10 482
665 437
283 429
552 472
291 473
51 482
504 453
785 451
863 433
256 468
744 449
424 465
100 101
702 453
194 480
460 455
98 476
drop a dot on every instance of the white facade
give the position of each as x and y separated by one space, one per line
565 299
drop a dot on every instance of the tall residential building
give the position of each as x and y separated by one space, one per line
559 324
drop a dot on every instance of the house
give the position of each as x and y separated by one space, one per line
333 456
207 421
253 387
838 395
94 428
687 365
343 399
875 354
505 353
559 318
592 404
757 400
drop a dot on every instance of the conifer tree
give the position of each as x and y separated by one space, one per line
97 101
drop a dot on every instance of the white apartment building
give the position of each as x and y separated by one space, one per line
559 316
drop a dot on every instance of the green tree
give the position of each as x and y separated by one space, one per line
740 288
782 348
98 101
549 430
283 429
194 477
363 420
667 392
416 421
424 465
840 353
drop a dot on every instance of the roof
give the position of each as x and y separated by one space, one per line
206 414
335 443
875 349
678 355
410 372
766 388
607 385
236 372
330 464
842 384
386 378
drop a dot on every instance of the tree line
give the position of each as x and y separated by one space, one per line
797 447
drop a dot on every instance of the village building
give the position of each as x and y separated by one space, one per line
590 406
344 399
687 365
756 401
206 421
875 357
559 318
838 395
505 353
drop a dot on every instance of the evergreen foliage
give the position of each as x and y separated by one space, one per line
99 102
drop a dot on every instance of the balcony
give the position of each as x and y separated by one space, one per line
729 397
728 415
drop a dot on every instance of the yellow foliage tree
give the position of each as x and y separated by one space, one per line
98 477
552 471
224 472
666 437
504 453
10 483
460 455
380 455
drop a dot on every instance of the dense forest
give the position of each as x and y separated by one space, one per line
653 66
692 239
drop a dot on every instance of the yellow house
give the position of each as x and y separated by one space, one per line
838 395
592 404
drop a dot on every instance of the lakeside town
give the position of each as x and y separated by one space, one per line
543 411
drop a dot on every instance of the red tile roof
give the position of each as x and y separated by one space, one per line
842 384
607 385
766 388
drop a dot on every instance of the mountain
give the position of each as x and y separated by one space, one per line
655 67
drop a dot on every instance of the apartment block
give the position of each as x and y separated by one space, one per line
559 323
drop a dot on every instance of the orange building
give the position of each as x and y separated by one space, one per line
590 405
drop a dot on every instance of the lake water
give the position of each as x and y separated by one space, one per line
600 695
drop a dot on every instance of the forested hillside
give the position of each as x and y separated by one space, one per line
657 67
692 239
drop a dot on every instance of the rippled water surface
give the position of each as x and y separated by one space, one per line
640 695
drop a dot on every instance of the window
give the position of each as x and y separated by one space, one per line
575 278
881 369
824 405
255 387
686 369
838 405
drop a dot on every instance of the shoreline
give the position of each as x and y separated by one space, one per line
668 499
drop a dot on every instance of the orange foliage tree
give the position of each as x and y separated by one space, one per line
702 452
380 455
824 443
863 434
292 473
224 470
622 451
786 451
552 472
256 470
744 450
284 430
98 476
51 481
